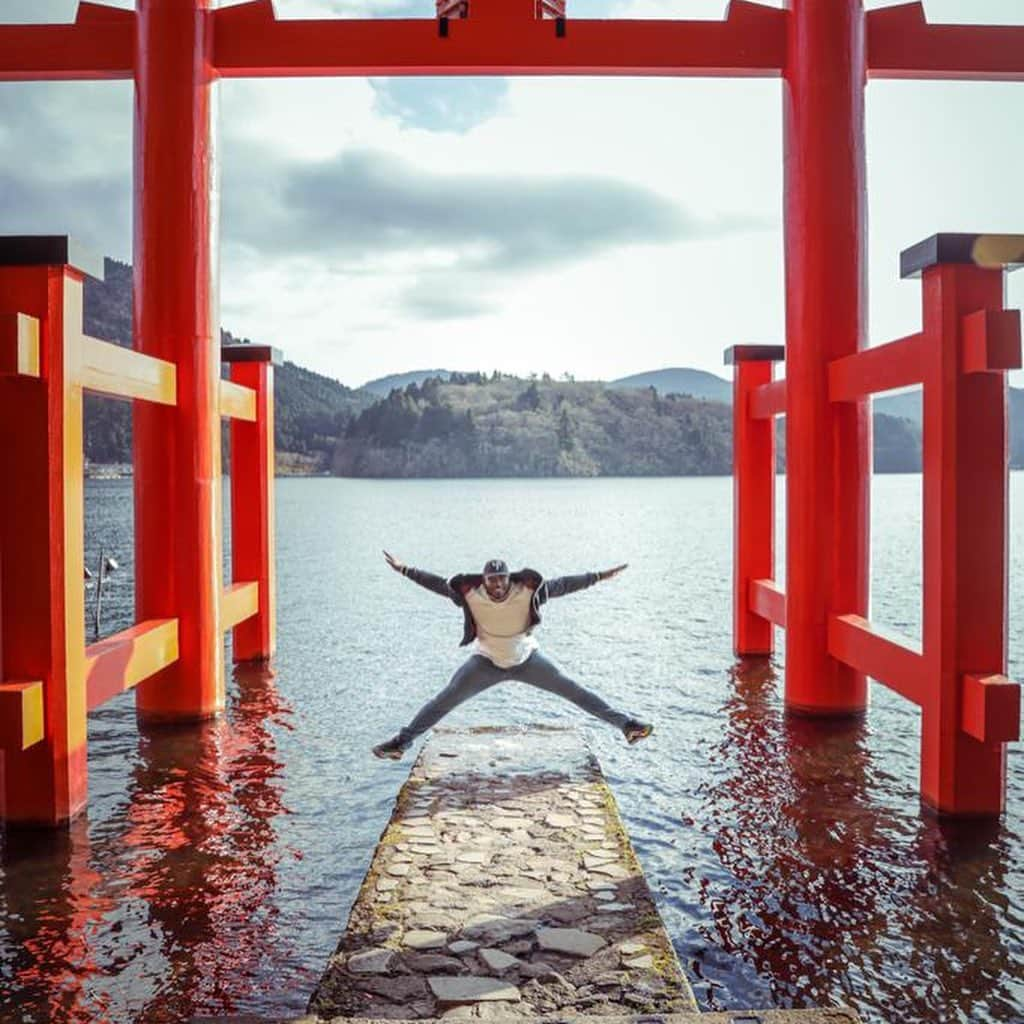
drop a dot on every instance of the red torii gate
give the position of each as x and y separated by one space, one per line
176 50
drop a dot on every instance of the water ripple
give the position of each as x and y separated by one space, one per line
791 861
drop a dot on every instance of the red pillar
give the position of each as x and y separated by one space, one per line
753 489
252 499
827 446
41 538
177 449
965 523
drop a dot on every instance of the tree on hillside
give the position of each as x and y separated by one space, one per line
530 398
565 438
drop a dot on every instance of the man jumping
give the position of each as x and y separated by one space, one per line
500 611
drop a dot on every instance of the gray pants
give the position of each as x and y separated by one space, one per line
478 673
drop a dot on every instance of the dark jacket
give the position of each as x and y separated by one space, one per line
458 586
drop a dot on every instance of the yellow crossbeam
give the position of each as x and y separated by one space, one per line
21 715
239 602
237 401
125 373
19 345
123 660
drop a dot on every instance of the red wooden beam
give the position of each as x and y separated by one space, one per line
897 364
991 340
750 42
965 503
768 601
828 465
99 45
753 499
41 536
123 660
178 542
252 504
991 708
901 44
250 41
855 642
768 400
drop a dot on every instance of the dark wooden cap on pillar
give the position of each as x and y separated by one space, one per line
754 354
49 251
991 251
242 353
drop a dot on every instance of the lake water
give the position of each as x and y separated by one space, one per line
790 860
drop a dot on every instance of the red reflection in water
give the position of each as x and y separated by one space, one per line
53 923
829 894
201 819
183 913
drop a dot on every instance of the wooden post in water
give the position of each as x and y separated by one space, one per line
42 597
177 449
252 498
755 403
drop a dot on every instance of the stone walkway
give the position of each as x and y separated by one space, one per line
838 1016
504 886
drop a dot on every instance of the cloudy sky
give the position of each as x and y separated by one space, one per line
594 226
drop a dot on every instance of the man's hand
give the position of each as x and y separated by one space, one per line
394 562
607 574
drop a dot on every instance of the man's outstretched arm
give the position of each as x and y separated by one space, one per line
562 585
438 584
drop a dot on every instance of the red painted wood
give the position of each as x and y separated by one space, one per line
177 448
753 508
827 445
901 44
768 601
882 368
251 42
67 52
992 341
41 612
965 542
856 642
119 662
991 708
768 400
252 511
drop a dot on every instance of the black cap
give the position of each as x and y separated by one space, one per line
495 567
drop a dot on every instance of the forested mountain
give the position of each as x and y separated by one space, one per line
500 425
893 442
475 425
440 423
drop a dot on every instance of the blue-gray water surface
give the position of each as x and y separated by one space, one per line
791 860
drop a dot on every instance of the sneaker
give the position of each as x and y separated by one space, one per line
635 731
392 749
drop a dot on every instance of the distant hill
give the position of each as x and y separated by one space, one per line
669 421
889 438
384 385
909 406
906 405
310 410
679 380
475 425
